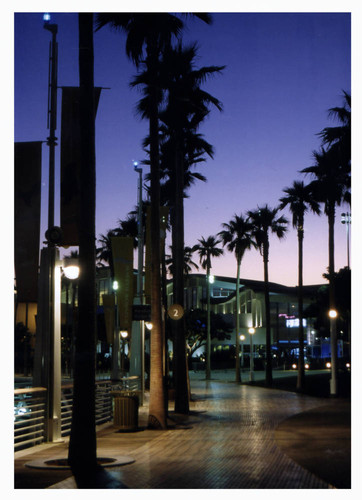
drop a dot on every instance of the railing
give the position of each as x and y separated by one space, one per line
29 417
30 409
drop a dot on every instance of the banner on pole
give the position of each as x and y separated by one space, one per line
109 315
122 254
27 218
70 187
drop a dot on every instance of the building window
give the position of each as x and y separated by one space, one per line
221 292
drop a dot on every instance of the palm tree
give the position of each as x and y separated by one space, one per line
339 137
206 249
265 221
187 105
300 199
331 186
188 262
147 37
104 251
82 455
237 238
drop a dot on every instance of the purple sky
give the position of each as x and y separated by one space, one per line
283 72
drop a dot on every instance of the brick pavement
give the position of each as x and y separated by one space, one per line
228 442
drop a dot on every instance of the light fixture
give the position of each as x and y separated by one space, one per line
242 337
211 278
70 268
332 313
148 325
115 285
251 331
124 334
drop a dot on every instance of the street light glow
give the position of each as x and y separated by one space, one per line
115 285
70 268
46 17
332 313
251 331
242 337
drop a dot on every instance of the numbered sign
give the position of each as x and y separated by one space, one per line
175 311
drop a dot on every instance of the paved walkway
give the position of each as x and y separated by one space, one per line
233 438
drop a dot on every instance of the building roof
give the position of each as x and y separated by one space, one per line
257 286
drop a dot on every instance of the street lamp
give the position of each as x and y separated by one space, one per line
70 268
47 357
137 358
124 335
332 313
115 347
242 338
251 333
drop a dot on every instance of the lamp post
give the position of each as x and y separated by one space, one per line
251 333
47 356
115 347
242 338
346 219
124 335
209 279
137 359
332 313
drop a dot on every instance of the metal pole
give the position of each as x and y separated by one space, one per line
137 359
251 333
52 115
346 219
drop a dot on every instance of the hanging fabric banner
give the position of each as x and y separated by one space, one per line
163 226
27 218
70 163
122 254
109 315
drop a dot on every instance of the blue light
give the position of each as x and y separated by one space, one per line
135 163
46 18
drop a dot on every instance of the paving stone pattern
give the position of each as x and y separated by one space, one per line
227 441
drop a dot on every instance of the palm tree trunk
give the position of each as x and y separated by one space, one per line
237 322
332 303
82 445
268 366
180 361
157 414
301 374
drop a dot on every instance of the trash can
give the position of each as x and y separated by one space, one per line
125 410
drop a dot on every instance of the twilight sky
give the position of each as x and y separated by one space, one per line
283 72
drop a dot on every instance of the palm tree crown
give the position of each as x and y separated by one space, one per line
206 249
300 199
236 236
264 221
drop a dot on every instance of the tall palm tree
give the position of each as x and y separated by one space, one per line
186 106
331 186
82 454
300 200
148 35
265 222
237 238
206 249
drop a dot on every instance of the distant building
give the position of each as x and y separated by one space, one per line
283 305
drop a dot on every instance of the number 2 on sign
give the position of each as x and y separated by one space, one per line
175 312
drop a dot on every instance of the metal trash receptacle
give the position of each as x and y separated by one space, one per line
125 410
